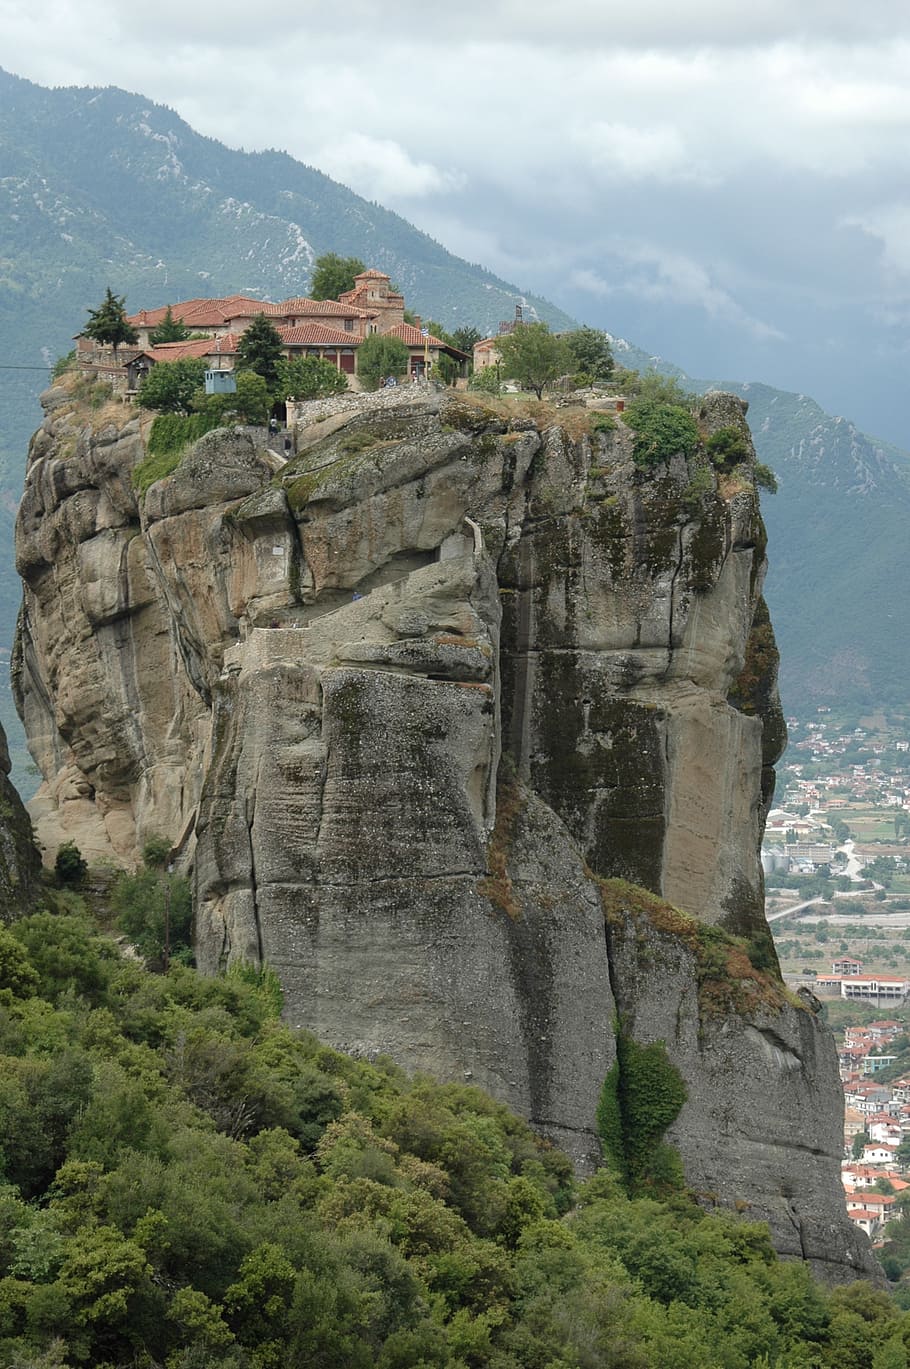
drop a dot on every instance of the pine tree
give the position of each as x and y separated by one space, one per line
169 329
109 323
260 349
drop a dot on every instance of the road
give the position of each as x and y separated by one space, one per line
795 908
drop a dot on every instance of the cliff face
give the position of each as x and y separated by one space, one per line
20 860
408 707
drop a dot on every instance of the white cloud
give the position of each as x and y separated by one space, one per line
656 153
381 169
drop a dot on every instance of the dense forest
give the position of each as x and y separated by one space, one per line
184 1181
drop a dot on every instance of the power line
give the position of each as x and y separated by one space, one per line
4 367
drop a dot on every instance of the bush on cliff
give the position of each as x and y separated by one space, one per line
154 909
661 431
69 864
169 436
727 447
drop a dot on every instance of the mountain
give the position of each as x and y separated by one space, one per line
101 187
840 555
838 548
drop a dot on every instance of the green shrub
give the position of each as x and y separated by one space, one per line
155 853
486 381
381 355
249 403
154 468
155 910
170 433
93 393
63 364
169 437
765 478
700 484
170 385
67 954
186 1181
642 1094
309 378
661 431
18 977
727 446
70 866
603 423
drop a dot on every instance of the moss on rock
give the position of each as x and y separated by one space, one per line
727 977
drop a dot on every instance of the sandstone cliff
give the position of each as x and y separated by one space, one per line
20 860
409 707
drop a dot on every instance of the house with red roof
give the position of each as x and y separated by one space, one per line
330 329
867 1220
879 1153
373 291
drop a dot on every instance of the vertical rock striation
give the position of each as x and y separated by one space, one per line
410 708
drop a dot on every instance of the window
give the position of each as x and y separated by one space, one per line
349 325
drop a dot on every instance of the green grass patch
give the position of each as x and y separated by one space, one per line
169 438
154 468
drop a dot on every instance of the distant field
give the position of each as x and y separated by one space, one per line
869 824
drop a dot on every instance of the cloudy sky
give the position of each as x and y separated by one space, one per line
727 186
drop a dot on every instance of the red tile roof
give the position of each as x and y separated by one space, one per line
413 337
291 307
318 335
206 313
240 306
152 317
197 347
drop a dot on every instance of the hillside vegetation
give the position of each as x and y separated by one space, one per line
187 1182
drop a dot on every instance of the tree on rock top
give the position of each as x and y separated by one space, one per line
310 378
592 352
380 356
108 323
333 275
534 357
260 349
170 386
